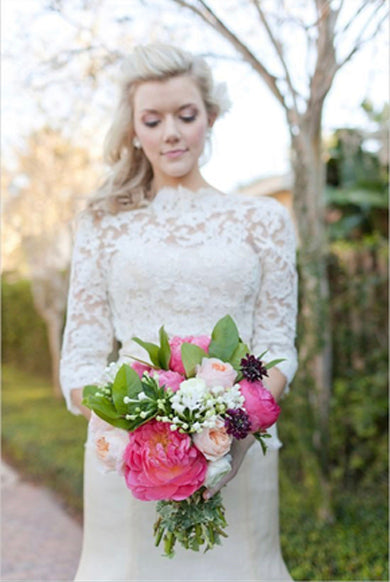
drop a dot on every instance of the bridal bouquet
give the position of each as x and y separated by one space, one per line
179 414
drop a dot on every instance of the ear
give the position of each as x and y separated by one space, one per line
212 118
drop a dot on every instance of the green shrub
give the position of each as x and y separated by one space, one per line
24 338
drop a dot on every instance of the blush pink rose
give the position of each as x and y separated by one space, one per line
176 364
110 443
259 404
214 443
140 368
170 379
216 373
162 464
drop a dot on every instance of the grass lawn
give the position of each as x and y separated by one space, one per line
41 438
45 442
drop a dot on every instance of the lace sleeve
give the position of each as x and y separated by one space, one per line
276 305
88 335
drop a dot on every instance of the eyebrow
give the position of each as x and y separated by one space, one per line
179 109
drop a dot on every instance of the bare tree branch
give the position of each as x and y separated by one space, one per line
326 66
360 42
353 18
279 51
212 20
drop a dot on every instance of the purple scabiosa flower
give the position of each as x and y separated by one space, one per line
252 368
237 423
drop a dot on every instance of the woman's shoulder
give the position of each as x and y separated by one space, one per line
259 208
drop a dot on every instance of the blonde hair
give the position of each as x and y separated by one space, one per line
128 183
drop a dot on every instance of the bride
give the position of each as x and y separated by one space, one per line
156 246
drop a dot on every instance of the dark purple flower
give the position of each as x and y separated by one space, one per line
252 368
237 423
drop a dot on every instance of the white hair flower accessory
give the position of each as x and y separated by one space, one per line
221 98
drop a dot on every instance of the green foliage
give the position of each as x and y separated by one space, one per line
193 523
129 401
191 356
24 338
353 547
159 355
40 437
359 406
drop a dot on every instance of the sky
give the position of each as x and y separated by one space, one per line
250 142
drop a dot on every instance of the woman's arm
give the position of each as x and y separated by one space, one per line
88 335
275 310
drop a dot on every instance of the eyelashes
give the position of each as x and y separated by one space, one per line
185 118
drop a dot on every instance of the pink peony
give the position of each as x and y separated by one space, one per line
175 364
259 404
170 379
215 442
162 464
140 368
216 373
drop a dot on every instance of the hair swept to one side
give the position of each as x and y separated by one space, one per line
128 183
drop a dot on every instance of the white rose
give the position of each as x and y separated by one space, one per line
216 470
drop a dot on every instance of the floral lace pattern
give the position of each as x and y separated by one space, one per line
186 260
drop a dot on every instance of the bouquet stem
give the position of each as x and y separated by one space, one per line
194 523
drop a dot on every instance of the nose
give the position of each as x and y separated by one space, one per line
171 130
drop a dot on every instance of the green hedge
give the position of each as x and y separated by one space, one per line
24 338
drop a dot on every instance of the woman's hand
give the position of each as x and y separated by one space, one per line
238 451
77 397
275 382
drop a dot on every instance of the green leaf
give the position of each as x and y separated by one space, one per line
240 352
126 383
260 436
152 349
274 363
262 355
164 352
101 405
118 422
224 339
191 356
91 389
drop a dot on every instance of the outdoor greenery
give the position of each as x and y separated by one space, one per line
46 442
24 337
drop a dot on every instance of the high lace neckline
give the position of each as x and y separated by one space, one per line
180 196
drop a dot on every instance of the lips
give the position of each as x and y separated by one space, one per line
172 154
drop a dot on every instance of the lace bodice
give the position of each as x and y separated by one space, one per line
185 261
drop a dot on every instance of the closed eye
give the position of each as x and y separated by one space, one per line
188 118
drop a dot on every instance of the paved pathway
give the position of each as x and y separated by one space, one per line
40 541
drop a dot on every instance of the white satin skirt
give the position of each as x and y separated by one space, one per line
118 541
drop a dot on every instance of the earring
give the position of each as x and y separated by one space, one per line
137 143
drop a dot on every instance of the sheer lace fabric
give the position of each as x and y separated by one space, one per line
183 262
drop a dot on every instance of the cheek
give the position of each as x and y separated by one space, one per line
198 135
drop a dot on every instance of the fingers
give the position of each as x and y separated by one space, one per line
210 492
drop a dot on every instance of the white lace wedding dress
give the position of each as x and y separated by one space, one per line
184 262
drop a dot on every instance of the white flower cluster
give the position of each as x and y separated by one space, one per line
198 407
109 374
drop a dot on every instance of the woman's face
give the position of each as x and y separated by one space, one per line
171 121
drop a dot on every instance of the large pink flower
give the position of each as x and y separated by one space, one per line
175 364
259 404
170 379
162 464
